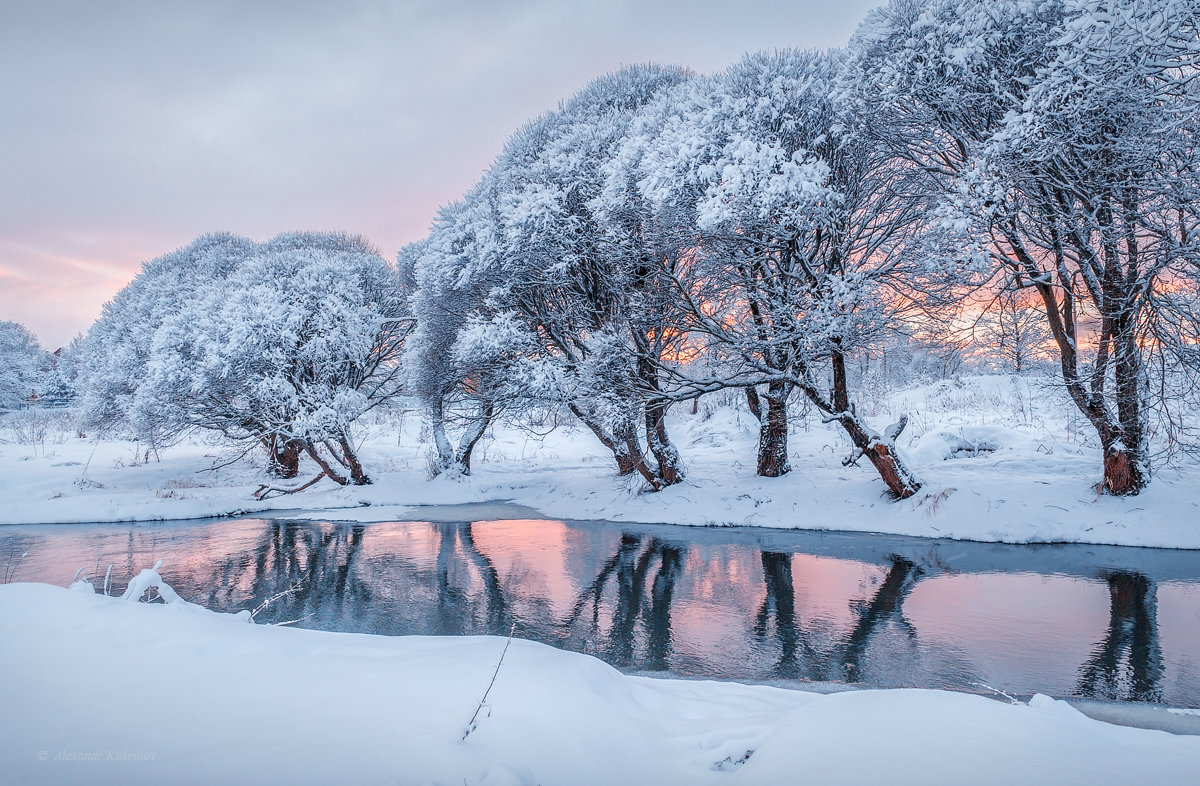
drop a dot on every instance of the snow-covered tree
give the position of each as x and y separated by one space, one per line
282 344
794 236
117 349
449 275
541 293
1062 138
22 365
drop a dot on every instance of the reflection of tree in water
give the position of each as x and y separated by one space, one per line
453 602
780 602
798 659
1132 638
313 565
318 563
884 605
638 598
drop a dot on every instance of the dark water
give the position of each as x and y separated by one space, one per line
1104 622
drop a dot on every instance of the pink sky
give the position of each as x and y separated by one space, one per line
130 129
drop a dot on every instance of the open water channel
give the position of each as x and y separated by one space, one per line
731 603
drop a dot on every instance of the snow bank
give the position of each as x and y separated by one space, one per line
1035 483
104 691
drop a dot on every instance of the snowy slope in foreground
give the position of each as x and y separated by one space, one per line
100 690
1034 484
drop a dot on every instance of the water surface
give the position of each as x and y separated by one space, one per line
737 603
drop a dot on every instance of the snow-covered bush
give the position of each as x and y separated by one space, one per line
22 366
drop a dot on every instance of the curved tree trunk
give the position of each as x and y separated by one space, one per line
357 476
670 470
624 446
881 450
448 458
471 437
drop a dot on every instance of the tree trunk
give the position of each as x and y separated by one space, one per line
900 480
665 452
1123 471
624 446
329 471
283 456
773 432
754 403
447 457
357 476
437 425
471 437
882 454
1122 441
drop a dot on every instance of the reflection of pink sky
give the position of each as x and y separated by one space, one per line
825 587
380 540
536 550
1013 625
1179 632
724 589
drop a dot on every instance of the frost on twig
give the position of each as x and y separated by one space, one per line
262 606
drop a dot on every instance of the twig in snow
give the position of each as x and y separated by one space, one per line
10 567
997 691
473 723
293 622
264 491
290 590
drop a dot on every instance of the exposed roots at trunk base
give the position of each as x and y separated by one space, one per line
342 453
1122 475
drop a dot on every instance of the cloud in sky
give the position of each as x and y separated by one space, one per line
132 127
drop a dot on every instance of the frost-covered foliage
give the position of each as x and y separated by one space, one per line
283 343
23 364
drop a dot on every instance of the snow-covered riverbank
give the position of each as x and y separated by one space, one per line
1032 482
101 690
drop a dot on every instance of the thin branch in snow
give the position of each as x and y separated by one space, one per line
474 722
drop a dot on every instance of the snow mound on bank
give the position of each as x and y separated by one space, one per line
965 442
234 703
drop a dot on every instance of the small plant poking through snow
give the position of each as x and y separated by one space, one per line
278 595
474 722
147 582
10 567
730 763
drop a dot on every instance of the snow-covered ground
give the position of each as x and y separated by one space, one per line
103 690
1034 482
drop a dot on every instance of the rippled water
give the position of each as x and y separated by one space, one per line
743 604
